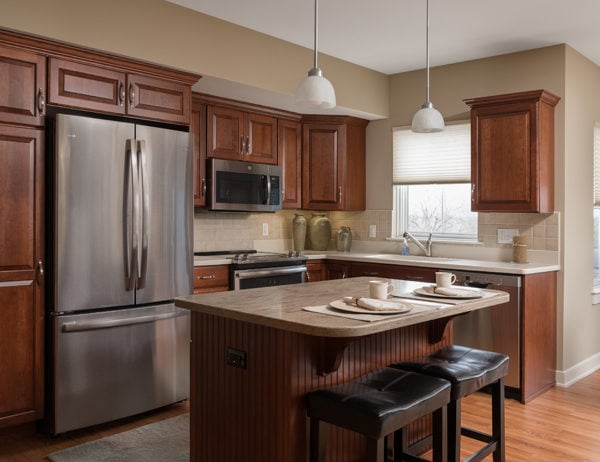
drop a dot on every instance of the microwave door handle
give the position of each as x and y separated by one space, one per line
145 206
268 190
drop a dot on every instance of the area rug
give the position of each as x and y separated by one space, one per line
167 440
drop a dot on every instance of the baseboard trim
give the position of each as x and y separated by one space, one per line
577 372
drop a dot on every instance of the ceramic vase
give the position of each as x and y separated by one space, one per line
319 231
299 232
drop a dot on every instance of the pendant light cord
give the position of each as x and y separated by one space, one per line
316 33
427 53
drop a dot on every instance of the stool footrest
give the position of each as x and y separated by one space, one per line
482 453
477 435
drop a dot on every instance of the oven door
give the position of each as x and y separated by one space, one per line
266 277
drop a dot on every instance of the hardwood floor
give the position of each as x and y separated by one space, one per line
562 425
24 444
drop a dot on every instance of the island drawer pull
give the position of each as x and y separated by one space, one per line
208 276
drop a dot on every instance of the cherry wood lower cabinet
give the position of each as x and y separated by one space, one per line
213 278
21 275
315 270
341 269
337 269
538 334
258 413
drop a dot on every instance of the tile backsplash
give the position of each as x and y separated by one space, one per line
229 231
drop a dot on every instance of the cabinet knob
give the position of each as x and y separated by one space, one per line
203 187
131 94
121 94
339 195
41 102
242 145
248 145
40 272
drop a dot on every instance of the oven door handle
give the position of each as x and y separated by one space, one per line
261 273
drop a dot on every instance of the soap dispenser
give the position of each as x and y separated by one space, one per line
405 249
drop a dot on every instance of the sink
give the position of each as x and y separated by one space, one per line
409 258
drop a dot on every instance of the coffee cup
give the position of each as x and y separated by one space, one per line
444 279
380 289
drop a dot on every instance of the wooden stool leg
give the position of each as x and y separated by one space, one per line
318 438
440 435
375 449
454 431
498 420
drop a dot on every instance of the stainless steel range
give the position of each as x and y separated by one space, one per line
250 269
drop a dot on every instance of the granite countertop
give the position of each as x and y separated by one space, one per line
281 307
413 260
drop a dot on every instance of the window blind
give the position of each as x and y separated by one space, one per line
425 158
597 165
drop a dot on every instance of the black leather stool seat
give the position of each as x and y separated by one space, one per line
376 405
468 369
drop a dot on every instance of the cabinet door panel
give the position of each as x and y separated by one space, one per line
320 169
158 99
261 138
87 87
22 85
506 159
225 133
198 130
18 212
290 152
21 378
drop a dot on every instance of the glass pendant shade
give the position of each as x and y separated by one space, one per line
427 120
315 92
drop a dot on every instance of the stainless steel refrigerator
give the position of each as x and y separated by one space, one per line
122 249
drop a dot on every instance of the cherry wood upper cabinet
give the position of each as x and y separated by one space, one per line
21 275
290 159
111 90
198 130
239 135
23 87
333 163
512 152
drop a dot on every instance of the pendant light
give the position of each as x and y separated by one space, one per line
427 119
315 91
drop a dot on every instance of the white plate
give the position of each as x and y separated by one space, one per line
350 308
462 293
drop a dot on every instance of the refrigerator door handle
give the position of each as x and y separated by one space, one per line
78 326
132 247
145 205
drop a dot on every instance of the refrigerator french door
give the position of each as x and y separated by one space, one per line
122 251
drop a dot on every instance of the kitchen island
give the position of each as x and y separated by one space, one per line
256 353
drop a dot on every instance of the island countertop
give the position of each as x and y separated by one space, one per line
281 307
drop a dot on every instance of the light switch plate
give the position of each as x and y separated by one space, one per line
505 235
265 230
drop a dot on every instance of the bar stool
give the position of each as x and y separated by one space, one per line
468 370
376 405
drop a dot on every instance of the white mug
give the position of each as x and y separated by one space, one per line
380 289
443 279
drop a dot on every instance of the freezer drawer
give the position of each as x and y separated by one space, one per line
119 363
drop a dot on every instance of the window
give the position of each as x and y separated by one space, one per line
432 183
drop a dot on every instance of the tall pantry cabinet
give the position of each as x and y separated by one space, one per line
22 106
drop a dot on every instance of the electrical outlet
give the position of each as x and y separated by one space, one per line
236 358
505 235
372 230
265 231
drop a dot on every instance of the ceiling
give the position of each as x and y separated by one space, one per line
389 35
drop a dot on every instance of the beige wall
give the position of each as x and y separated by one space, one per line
167 34
581 324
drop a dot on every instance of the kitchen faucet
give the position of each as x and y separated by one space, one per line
425 248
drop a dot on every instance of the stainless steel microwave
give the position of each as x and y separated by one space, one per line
244 186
